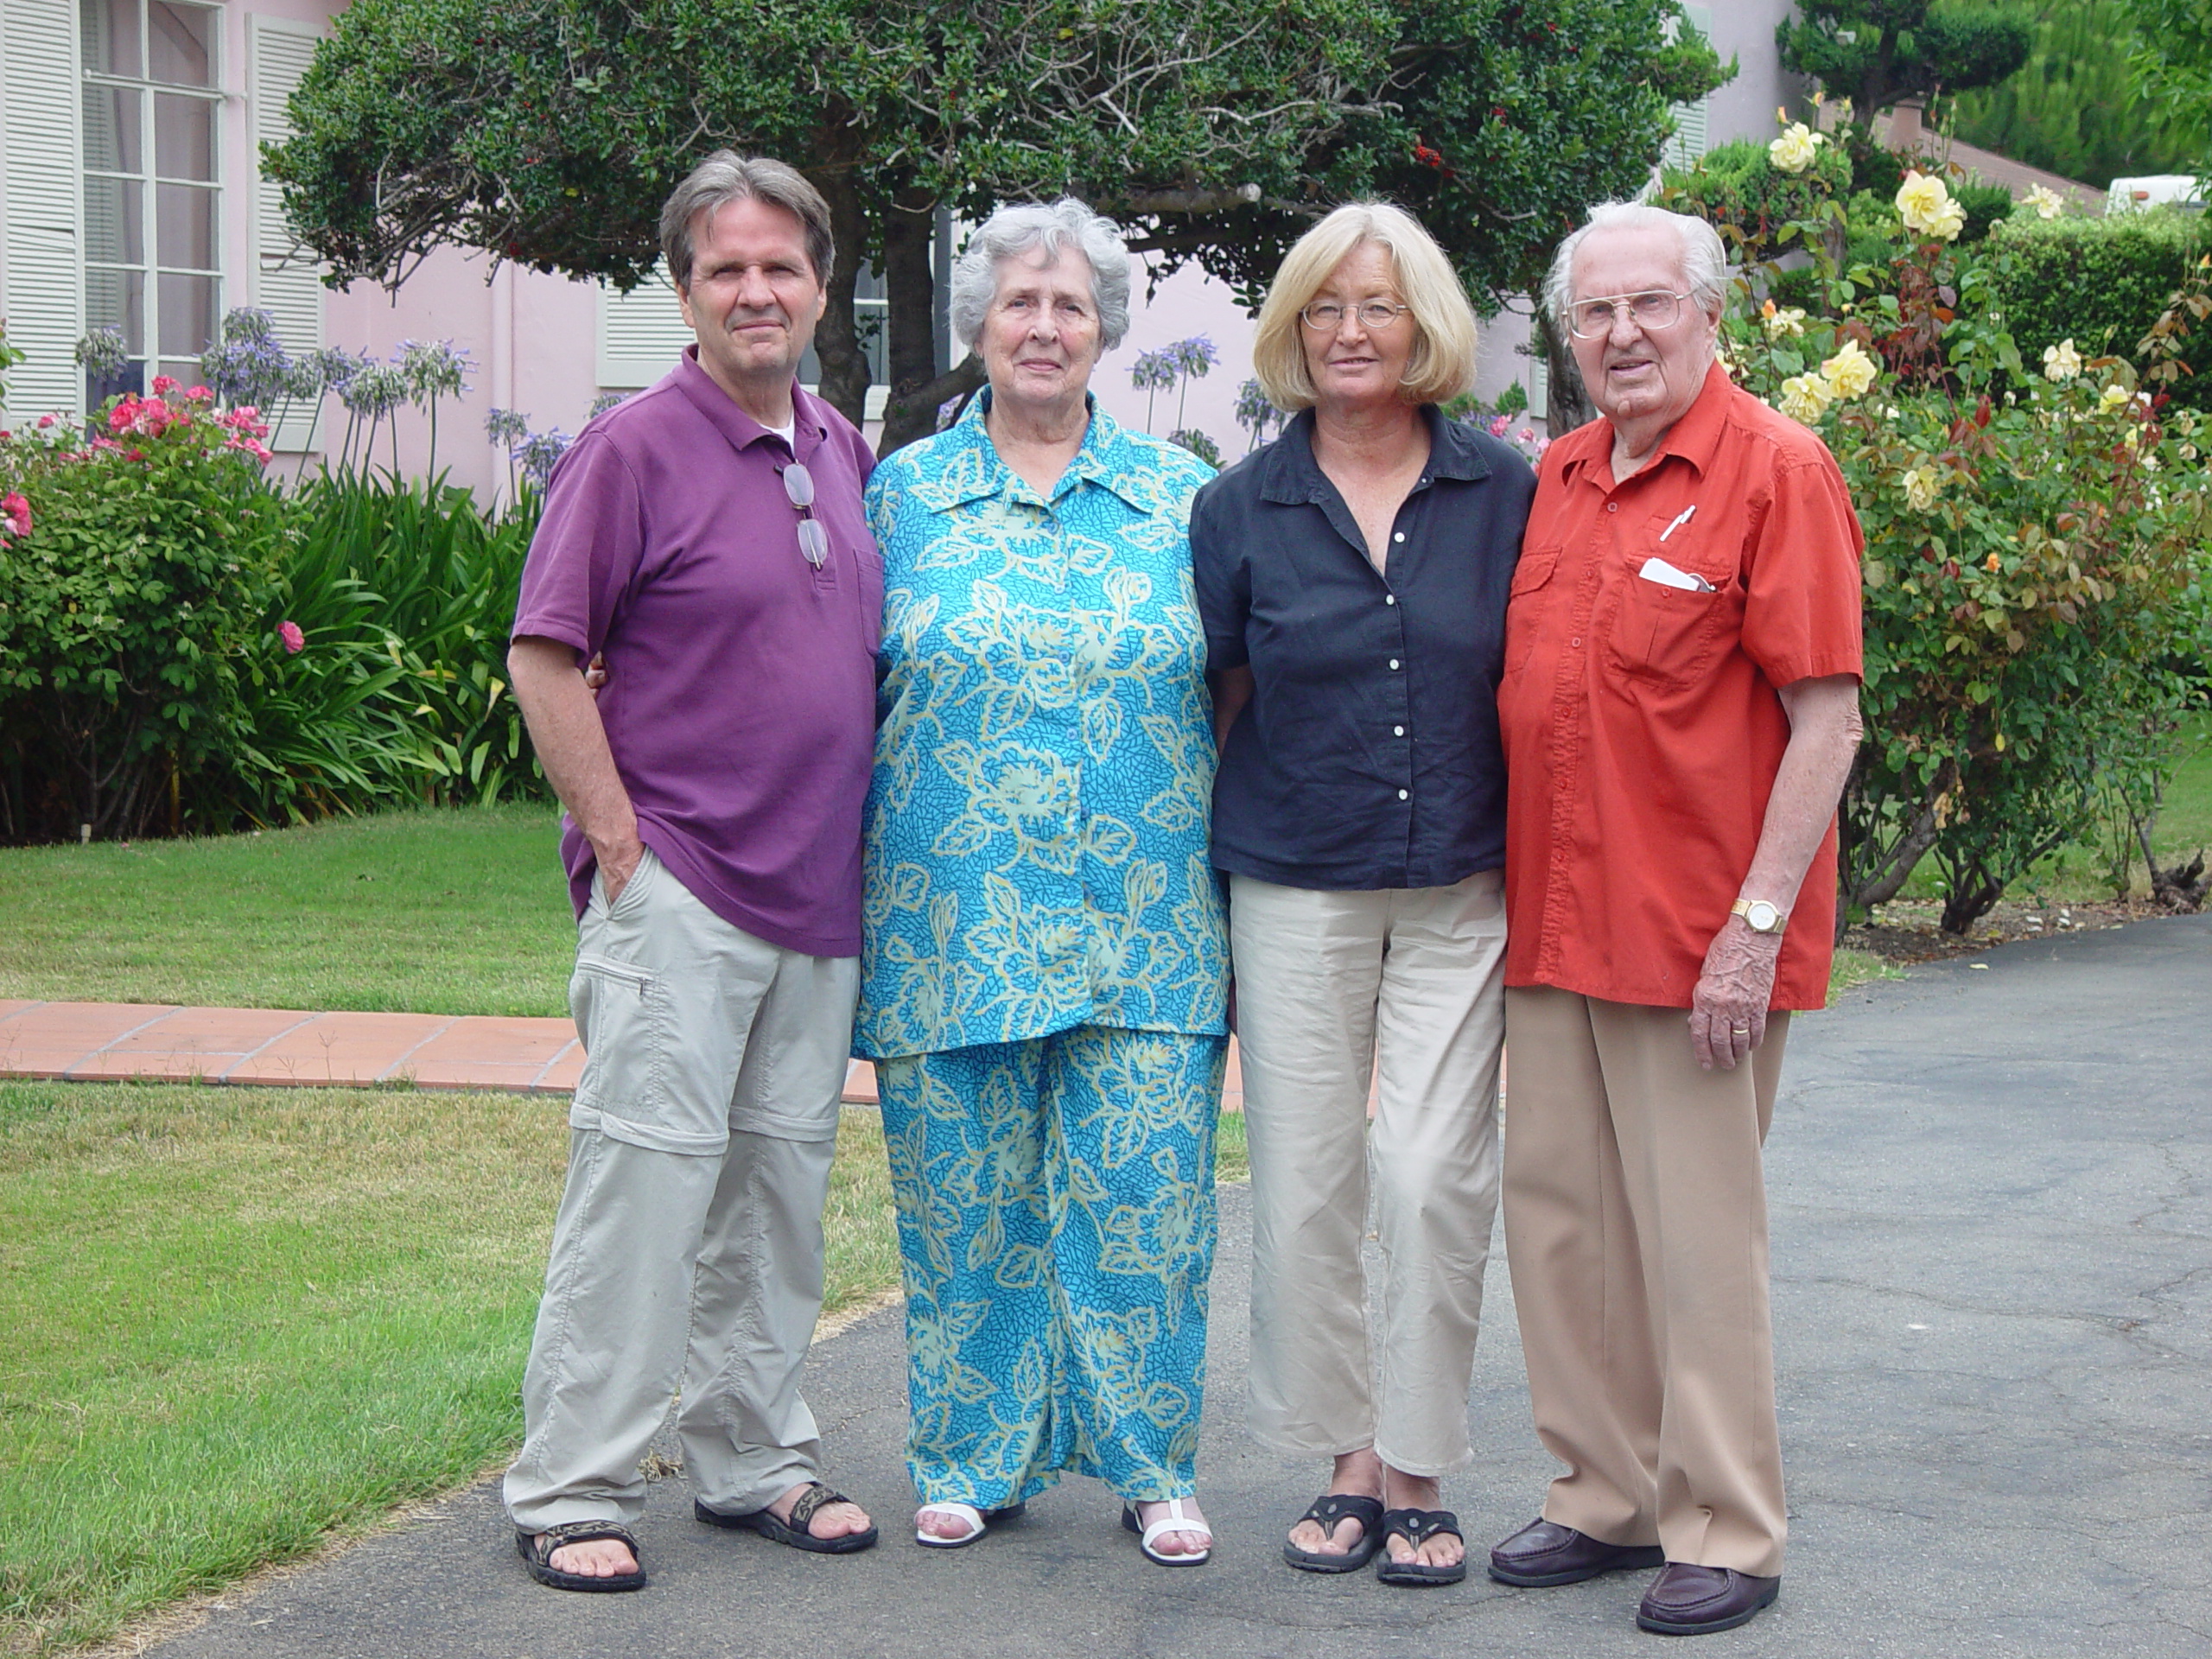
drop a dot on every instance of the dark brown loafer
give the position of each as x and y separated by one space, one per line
1543 1554
1686 1600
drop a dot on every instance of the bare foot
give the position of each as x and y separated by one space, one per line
941 1523
1176 1543
830 1521
602 1558
1404 1492
1357 1474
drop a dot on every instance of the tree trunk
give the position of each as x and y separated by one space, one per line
836 340
910 288
1566 404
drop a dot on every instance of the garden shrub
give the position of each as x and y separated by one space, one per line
2036 567
131 589
1738 186
2100 283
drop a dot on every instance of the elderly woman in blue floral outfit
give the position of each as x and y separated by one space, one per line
1044 971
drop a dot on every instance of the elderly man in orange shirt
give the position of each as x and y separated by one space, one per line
1679 708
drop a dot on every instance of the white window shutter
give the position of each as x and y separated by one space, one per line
39 108
1690 140
287 280
641 334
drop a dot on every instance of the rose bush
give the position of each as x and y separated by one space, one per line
2037 572
130 584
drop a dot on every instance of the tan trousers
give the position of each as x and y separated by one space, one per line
1323 981
1636 1231
687 1254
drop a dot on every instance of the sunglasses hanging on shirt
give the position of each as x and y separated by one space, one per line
813 540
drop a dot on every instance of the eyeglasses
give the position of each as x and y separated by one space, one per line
1655 308
813 540
1327 314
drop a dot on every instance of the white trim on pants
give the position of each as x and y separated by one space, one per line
1325 982
700 1144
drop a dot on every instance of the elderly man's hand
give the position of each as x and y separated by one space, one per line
1728 1010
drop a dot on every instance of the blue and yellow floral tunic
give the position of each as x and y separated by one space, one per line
1035 854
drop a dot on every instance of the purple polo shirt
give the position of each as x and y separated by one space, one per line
740 694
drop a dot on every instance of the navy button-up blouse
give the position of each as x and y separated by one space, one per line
1369 756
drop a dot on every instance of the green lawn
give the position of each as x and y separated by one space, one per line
458 911
2081 872
239 1321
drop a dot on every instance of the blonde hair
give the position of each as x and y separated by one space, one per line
1442 365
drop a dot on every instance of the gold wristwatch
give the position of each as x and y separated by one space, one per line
1760 916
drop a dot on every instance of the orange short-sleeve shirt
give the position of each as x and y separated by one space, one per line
1642 727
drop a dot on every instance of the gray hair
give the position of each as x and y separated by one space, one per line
1024 228
726 176
1705 261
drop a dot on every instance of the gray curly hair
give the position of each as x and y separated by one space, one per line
1025 227
1705 261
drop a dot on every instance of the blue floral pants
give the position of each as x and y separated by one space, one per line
1056 1217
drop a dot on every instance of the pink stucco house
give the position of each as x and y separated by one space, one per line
131 198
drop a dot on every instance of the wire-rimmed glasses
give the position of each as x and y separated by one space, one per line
1654 308
813 540
1326 315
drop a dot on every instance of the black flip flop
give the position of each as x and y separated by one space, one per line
1417 1527
815 1497
1329 1509
537 1552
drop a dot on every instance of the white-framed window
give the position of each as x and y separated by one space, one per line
152 184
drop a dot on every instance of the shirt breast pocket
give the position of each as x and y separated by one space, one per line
1665 634
1524 604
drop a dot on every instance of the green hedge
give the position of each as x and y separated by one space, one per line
2100 283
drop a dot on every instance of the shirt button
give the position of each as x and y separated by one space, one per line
1399 537
1612 506
1398 731
1401 794
1389 598
1394 664
1576 642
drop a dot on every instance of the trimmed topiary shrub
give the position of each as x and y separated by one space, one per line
2100 282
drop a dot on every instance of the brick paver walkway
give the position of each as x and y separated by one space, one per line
115 1042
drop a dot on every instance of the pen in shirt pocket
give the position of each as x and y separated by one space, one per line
1681 518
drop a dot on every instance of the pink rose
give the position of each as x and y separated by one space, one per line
164 384
16 511
293 638
45 421
199 395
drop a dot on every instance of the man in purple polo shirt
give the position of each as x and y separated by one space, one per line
707 536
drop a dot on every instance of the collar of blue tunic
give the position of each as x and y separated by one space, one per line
1111 458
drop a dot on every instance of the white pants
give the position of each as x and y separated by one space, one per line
1324 982
699 1160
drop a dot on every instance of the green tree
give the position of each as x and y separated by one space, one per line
549 132
1879 53
2074 109
2171 56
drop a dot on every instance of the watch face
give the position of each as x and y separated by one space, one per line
1763 916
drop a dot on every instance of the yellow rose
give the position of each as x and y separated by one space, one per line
1788 323
1923 485
1805 397
2047 202
2114 395
2061 362
1946 222
1920 198
1849 371
1795 149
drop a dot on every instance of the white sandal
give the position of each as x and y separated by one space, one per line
979 1522
1174 1520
